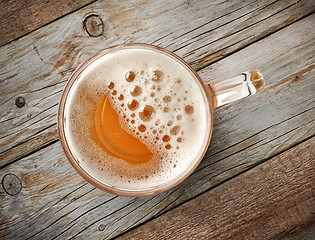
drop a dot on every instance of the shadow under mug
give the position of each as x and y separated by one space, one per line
215 94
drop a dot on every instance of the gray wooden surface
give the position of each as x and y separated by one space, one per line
37 66
220 38
238 208
19 18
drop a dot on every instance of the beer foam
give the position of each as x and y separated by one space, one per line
158 101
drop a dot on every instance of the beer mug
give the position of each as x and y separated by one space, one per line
136 119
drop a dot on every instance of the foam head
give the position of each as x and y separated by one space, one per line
157 101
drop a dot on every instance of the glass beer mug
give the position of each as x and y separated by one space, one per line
136 119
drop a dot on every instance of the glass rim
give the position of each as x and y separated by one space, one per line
207 95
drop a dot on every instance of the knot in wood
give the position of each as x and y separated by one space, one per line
11 184
20 102
101 227
93 25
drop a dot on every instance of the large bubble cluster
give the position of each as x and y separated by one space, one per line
153 107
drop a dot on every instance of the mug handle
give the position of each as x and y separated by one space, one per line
241 86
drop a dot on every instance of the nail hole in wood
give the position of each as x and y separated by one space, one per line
93 25
11 184
20 102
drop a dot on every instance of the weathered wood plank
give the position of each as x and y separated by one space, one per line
245 134
37 66
18 18
274 200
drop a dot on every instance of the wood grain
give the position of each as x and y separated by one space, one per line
37 66
18 18
275 200
246 133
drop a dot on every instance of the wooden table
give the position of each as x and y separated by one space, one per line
256 180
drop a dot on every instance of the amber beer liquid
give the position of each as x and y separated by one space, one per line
136 118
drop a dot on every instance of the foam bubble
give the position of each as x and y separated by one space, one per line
175 130
111 85
168 146
146 113
166 138
166 109
189 109
141 128
167 99
121 97
133 105
136 91
157 76
130 76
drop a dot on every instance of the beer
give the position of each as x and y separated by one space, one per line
136 118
